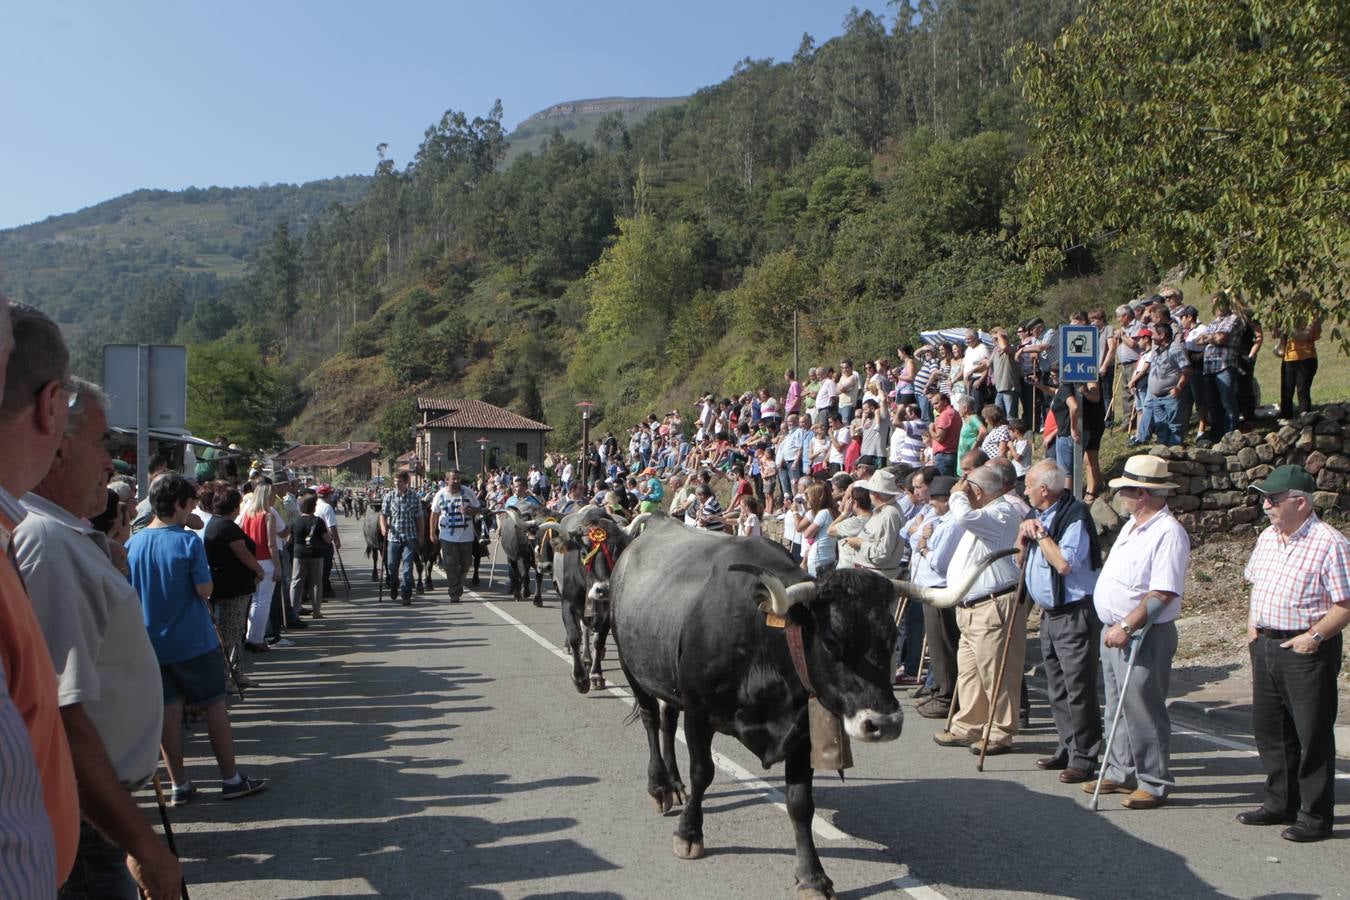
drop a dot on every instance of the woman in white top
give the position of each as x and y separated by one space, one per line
814 525
819 451
748 523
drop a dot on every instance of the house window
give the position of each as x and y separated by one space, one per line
523 451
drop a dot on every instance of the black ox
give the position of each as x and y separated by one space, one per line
518 533
691 620
582 551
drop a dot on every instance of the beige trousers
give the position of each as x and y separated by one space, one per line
977 659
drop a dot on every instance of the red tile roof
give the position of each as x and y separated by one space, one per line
326 456
475 414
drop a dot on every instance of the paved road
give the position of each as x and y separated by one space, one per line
441 751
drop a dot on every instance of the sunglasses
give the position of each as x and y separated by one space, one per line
1275 499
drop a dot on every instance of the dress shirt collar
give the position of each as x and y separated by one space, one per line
1299 533
10 508
46 508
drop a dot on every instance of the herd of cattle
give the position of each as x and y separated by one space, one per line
728 631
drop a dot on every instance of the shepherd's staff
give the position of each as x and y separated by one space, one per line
168 831
1155 606
1003 658
346 585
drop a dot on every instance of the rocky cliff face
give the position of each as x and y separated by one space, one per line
572 108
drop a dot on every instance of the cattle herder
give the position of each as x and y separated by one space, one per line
452 512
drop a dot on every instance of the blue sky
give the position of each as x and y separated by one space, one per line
104 98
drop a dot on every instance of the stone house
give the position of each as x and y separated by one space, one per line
448 434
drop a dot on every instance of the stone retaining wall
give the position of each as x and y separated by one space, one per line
1214 498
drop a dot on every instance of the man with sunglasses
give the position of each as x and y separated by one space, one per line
1300 577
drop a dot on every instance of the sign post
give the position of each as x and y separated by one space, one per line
146 386
1079 353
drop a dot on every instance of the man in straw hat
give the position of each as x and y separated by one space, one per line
1300 575
1149 559
879 545
980 507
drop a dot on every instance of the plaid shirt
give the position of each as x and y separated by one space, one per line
1220 356
1296 580
403 511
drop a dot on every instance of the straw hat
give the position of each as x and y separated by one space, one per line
1144 472
882 482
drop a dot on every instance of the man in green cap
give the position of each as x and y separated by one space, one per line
1300 577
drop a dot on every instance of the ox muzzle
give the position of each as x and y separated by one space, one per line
871 726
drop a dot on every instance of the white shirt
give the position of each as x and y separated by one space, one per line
324 510
827 393
456 520
987 529
977 355
1148 557
843 435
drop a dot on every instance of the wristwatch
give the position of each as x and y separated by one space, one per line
1317 636
1126 627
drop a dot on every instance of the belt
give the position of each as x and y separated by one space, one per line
1065 608
1279 635
992 595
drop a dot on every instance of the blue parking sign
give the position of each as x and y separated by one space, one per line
1079 352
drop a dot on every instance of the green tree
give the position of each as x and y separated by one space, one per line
395 429
231 391
1202 131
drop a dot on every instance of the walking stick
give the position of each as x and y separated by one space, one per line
168 831
492 569
923 657
229 666
1003 657
1155 605
342 570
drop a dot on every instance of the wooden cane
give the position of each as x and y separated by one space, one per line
923 657
168 831
496 548
1003 660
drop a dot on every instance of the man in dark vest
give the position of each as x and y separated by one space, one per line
1061 573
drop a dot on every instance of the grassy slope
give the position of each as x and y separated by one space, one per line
531 134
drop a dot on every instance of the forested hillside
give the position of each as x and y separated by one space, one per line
916 171
131 268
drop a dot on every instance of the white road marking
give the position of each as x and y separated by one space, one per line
743 776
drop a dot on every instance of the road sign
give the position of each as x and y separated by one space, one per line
165 384
1079 351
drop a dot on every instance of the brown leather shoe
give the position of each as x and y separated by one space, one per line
1075 776
1142 799
1051 763
1108 787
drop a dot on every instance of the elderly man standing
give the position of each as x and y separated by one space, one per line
33 412
979 505
1061 573
1300 576
1148 561
91 619
879 544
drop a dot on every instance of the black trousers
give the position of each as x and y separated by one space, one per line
1069 651
1293 716
1296 377
943 636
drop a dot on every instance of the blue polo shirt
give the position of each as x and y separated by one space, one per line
1081 580
166 566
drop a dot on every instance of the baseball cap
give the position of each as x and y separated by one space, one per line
1286 478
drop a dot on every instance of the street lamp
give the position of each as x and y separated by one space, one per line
482 443
585 407
438 456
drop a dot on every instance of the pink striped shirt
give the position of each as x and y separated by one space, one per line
1296 580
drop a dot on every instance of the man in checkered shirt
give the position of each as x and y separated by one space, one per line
1300 576
401 524
1220 368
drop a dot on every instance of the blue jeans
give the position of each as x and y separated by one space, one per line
1163 415
1064 452
1007 401
925 408
785 483
846 413
1223 396
909 639
401 555
100 871
1145 426
945 463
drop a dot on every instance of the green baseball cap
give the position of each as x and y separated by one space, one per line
1287 478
